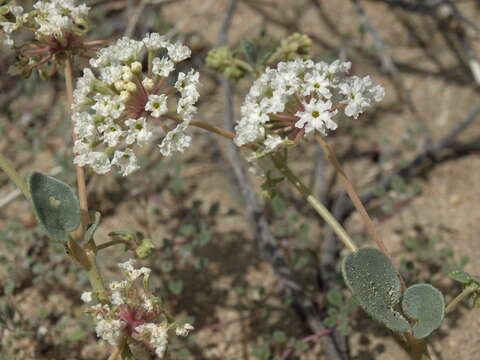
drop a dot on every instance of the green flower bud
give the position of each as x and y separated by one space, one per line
219 58
295 46
145 248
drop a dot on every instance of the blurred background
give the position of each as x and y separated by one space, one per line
413 159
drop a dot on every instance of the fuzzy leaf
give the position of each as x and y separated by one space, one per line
425 304
175 286
334 297
250 51
374 282
463 277
55 204
92 228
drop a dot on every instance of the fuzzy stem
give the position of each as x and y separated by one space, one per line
460 297
82 189
111 243
281 165
14 176
95 278
246 66
89 250
417 348
206 126
372 229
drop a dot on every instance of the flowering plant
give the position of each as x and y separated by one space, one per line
119 110
137 92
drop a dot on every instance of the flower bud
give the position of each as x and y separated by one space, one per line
130 86
148 83
136 67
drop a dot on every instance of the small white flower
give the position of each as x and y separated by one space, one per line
86 296
162 67
272 142
109 330
154 41
138 131
175 141
147 303
145 271
316 116
157 105
111 74
184 331
99 162
360 93
178 52
158 334
126 161
111 134
116 298
117 285
128 265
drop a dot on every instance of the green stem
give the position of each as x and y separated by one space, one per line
246 66
95 278
460 297
14 176
372 229
417 348
111 243
86 255
317 205
118 350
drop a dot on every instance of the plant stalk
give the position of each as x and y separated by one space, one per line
90 249
417 348
460 297
81 184
281 165
14 176
372 229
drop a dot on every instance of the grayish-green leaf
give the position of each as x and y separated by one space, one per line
334 297
464 277
55 204
374 282
175 286
92 228
250 51
425 304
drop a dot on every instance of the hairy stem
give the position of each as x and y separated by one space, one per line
417 348
281 165
372 229
14 176
460 297
89 250
111 243
206 126
82 189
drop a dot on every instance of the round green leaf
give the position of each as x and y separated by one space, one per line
374 282
424 303
55 204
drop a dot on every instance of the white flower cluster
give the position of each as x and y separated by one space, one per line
299 98
118 108
11 19
133 313
54 17
48 18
